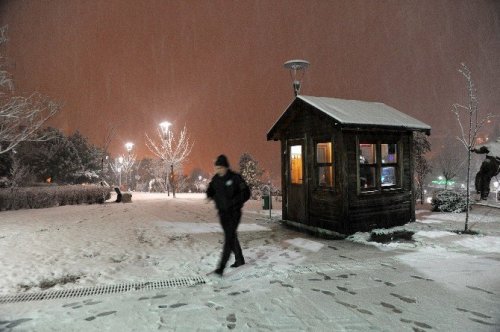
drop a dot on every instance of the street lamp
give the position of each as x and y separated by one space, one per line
129 146
297 70
164 128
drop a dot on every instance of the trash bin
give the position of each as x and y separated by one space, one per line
266 202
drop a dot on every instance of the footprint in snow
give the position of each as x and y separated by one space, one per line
421 278
403 298
419 324
474 313
107 313
392 307
13 323
480 289
387 283
353 306
173 306
231 319
346 290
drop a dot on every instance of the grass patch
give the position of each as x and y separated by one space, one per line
49 283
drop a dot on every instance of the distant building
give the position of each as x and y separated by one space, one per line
346 165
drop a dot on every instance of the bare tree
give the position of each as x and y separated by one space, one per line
470 130
127 167
172 150
422 168
21 117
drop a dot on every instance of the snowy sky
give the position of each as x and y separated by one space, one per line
217 66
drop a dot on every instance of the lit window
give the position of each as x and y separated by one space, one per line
389 153
389 158
324 164
296 164
378 165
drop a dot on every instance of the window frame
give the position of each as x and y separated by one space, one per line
317 165
378 165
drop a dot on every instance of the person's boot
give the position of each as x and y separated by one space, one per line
238 263
219 271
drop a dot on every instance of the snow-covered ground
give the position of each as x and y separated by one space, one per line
293 282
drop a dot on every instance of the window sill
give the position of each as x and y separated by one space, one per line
324 189
383 191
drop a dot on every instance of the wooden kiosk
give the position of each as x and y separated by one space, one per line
346 164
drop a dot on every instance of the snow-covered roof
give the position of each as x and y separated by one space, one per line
363 112
356 112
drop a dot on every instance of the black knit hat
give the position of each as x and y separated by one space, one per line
222 161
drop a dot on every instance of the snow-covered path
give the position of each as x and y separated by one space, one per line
292 282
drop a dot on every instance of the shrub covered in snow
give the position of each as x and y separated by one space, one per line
391 234
48 196
449 201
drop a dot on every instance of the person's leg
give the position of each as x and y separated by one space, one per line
225 220
236 248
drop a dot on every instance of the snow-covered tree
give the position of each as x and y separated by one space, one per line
470 129
173 150
89 154
21 117
250 170
422 166
55 160
20 174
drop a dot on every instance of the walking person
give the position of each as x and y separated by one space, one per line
229 191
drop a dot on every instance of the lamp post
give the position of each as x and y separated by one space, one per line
172 179
165 125
297 70
129 146
120 162
102 167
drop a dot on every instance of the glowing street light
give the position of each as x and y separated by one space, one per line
164 127
297 70
129 146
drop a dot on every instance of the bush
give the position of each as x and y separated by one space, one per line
390 235
49 196
449 201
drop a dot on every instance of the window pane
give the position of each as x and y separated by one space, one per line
325 176
367 176
389 153
388 176
296 164
324 153
367 153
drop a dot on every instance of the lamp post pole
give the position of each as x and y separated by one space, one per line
129 146
120 161
165 125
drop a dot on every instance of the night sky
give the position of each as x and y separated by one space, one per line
217 66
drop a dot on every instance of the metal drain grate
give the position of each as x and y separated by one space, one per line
101 290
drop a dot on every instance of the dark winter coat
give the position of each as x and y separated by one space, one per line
229 192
